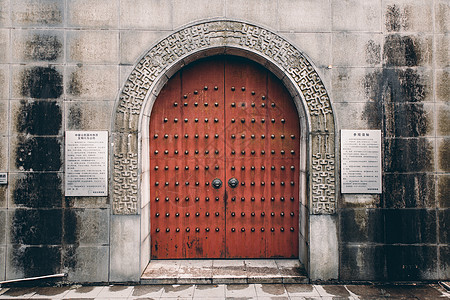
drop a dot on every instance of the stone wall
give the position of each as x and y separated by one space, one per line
385 65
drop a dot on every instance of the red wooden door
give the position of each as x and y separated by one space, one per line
222 119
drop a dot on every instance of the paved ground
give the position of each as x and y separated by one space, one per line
232 291
221 271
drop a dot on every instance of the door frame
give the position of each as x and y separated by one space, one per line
129 153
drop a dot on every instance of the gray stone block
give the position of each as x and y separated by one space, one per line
351 84
408 15
36 153
443 191
3 196
143 14
355 115
409 155
87 202
4 46
5 19
304 16
38 82
443 119
365 49
92 226
37 45
362 262
443 154
2 262
356 15
187 11
361 225
442 86
4 81
442 50
98 14
400 50
89 115
93 47
360 200
409 119
87 264
4 122
37 13
92 82
316 46
442 15
3 223
134 44
264 13
36 117
125 248
324 253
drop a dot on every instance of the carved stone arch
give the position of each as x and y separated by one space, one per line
129 136
221 37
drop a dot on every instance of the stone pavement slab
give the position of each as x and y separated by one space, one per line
224 271
233 291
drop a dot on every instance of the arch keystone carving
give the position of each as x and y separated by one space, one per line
221 36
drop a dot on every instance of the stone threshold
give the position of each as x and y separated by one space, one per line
218 271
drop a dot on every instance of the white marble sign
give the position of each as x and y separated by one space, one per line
3 178
361 161
86 163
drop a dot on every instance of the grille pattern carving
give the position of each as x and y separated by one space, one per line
240 35
125 183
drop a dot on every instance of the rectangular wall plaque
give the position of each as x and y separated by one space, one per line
86 163
3 178
361 161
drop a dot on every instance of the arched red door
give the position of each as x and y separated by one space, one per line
224 156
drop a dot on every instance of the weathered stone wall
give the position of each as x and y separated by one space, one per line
385 65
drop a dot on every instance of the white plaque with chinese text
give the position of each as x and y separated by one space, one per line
361 161
86 163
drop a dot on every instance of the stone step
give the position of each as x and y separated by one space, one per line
224 271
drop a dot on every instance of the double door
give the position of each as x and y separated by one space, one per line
224 157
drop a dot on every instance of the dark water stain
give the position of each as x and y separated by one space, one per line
75 84
410 226
396 86
361 225
408 155
444 226
408 262
71 230
409 190
444 155
43 47
75 117
396 18
38 154
393 18
39 117
42 83
37 261
406 120
373 52
401 51
444 120
38 190
36 227
444 191
362 262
